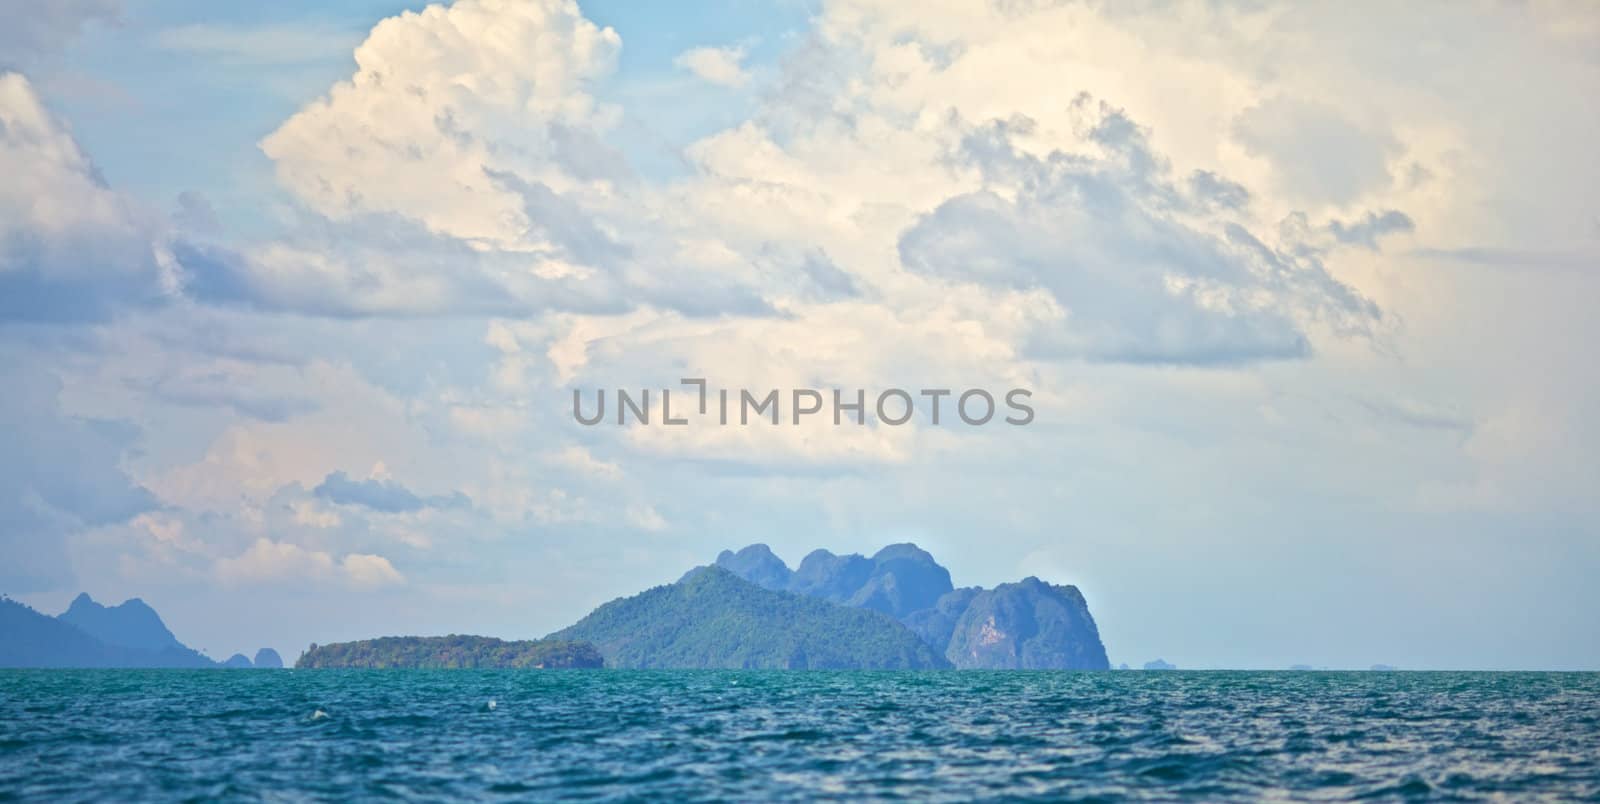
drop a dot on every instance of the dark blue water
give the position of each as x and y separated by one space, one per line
335 735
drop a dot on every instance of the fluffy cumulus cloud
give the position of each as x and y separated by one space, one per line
722 66
465 168
444 98
1140 271
71 249
267 561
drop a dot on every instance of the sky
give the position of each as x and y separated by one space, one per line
294 298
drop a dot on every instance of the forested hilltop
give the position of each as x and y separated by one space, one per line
1024 625
715 619
452 652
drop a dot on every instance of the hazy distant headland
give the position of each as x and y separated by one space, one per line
88 634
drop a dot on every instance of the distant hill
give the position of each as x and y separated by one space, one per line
133 624
31 639
897 580
268 659
1025 625
1029 624
714 619
89 634
451 652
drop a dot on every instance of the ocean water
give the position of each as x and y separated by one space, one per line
337 735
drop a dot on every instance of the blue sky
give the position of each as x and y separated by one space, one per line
1304 294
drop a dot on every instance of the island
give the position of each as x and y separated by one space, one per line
452 652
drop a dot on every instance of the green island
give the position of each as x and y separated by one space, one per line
713 619
452 652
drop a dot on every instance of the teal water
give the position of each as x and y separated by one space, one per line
335 735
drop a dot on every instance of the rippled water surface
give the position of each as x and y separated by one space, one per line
328 734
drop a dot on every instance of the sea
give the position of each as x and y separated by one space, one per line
339 735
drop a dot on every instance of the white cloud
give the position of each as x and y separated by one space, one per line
268 561
584 462
70 248
446 105
645 517
723 66
370 570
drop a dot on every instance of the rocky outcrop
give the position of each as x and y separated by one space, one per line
1024 625
268 659
1027 625
904 579
936 623
757 565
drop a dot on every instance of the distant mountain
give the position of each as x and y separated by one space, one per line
1159 664
1028 625
237 661
898 580
268 659
904 579
451 652
757 565
830 577
714 619
31 639
133 624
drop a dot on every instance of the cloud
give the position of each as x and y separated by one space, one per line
261 46
1140 273
385 496
364 569
1318 155
218 389
382 266
268 561
60 475
442 96
582 461
71 249
723 66
1366 232
35 31
464 171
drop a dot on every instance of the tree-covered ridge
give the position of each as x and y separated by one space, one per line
714 619
451 652
1024 625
